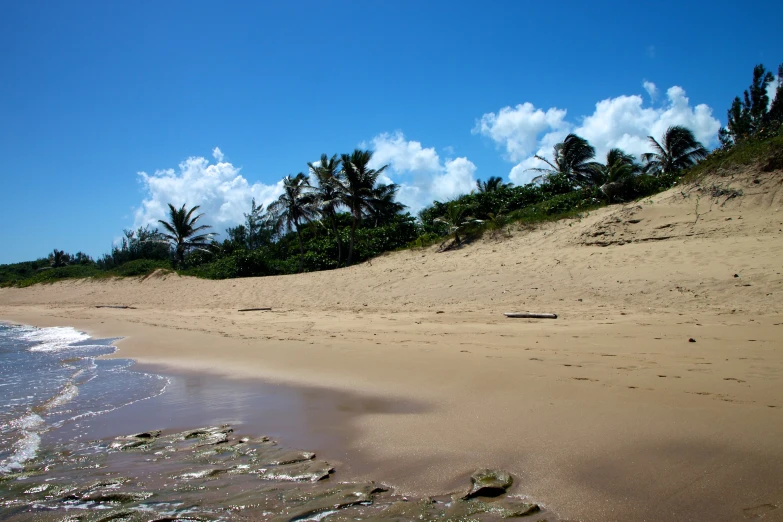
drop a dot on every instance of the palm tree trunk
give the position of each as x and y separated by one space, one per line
179 256
339 242
301 249
353 235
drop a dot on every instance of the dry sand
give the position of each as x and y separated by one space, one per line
607 413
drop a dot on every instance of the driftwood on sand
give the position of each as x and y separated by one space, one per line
530 315
116 306
253 309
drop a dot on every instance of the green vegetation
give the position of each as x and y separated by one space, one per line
338 214
767 154
55 274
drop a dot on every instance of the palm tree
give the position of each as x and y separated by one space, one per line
384 204
295 204
493 184
571 159
679 149
59 258
357 189
456 220
183 234
619 168
327 195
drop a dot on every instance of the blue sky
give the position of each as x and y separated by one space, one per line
93 93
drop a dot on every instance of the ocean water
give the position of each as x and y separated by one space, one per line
51 382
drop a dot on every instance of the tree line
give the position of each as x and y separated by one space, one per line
338 213
326 217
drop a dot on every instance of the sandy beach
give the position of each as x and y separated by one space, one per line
609 412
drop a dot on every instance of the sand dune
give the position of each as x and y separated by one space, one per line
606 413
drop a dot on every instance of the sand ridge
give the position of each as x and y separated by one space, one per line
607 413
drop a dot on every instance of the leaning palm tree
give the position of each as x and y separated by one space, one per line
295 205
679 149
619 168
494 183
183 234
357 188
572 159
327 194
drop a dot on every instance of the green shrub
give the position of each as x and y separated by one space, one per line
223 268
15 272
747 152
425 240
53 275
139 267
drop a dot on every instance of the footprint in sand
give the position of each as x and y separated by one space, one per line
732 379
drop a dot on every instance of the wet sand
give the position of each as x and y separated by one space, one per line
607 413
315 419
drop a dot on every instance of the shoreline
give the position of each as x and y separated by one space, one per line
294 412
301 417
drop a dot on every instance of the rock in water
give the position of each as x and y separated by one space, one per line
116 497
517 508
505 508
311 471
289 457
209 436
489 483
339 497
147 435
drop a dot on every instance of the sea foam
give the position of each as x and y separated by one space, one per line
53 339
26 447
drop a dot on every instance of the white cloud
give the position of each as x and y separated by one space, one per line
622 122
651 89
650 51
419 171
405 156
457 178
518 128
222 192
771 89
217 154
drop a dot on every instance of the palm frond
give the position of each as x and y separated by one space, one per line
168 227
